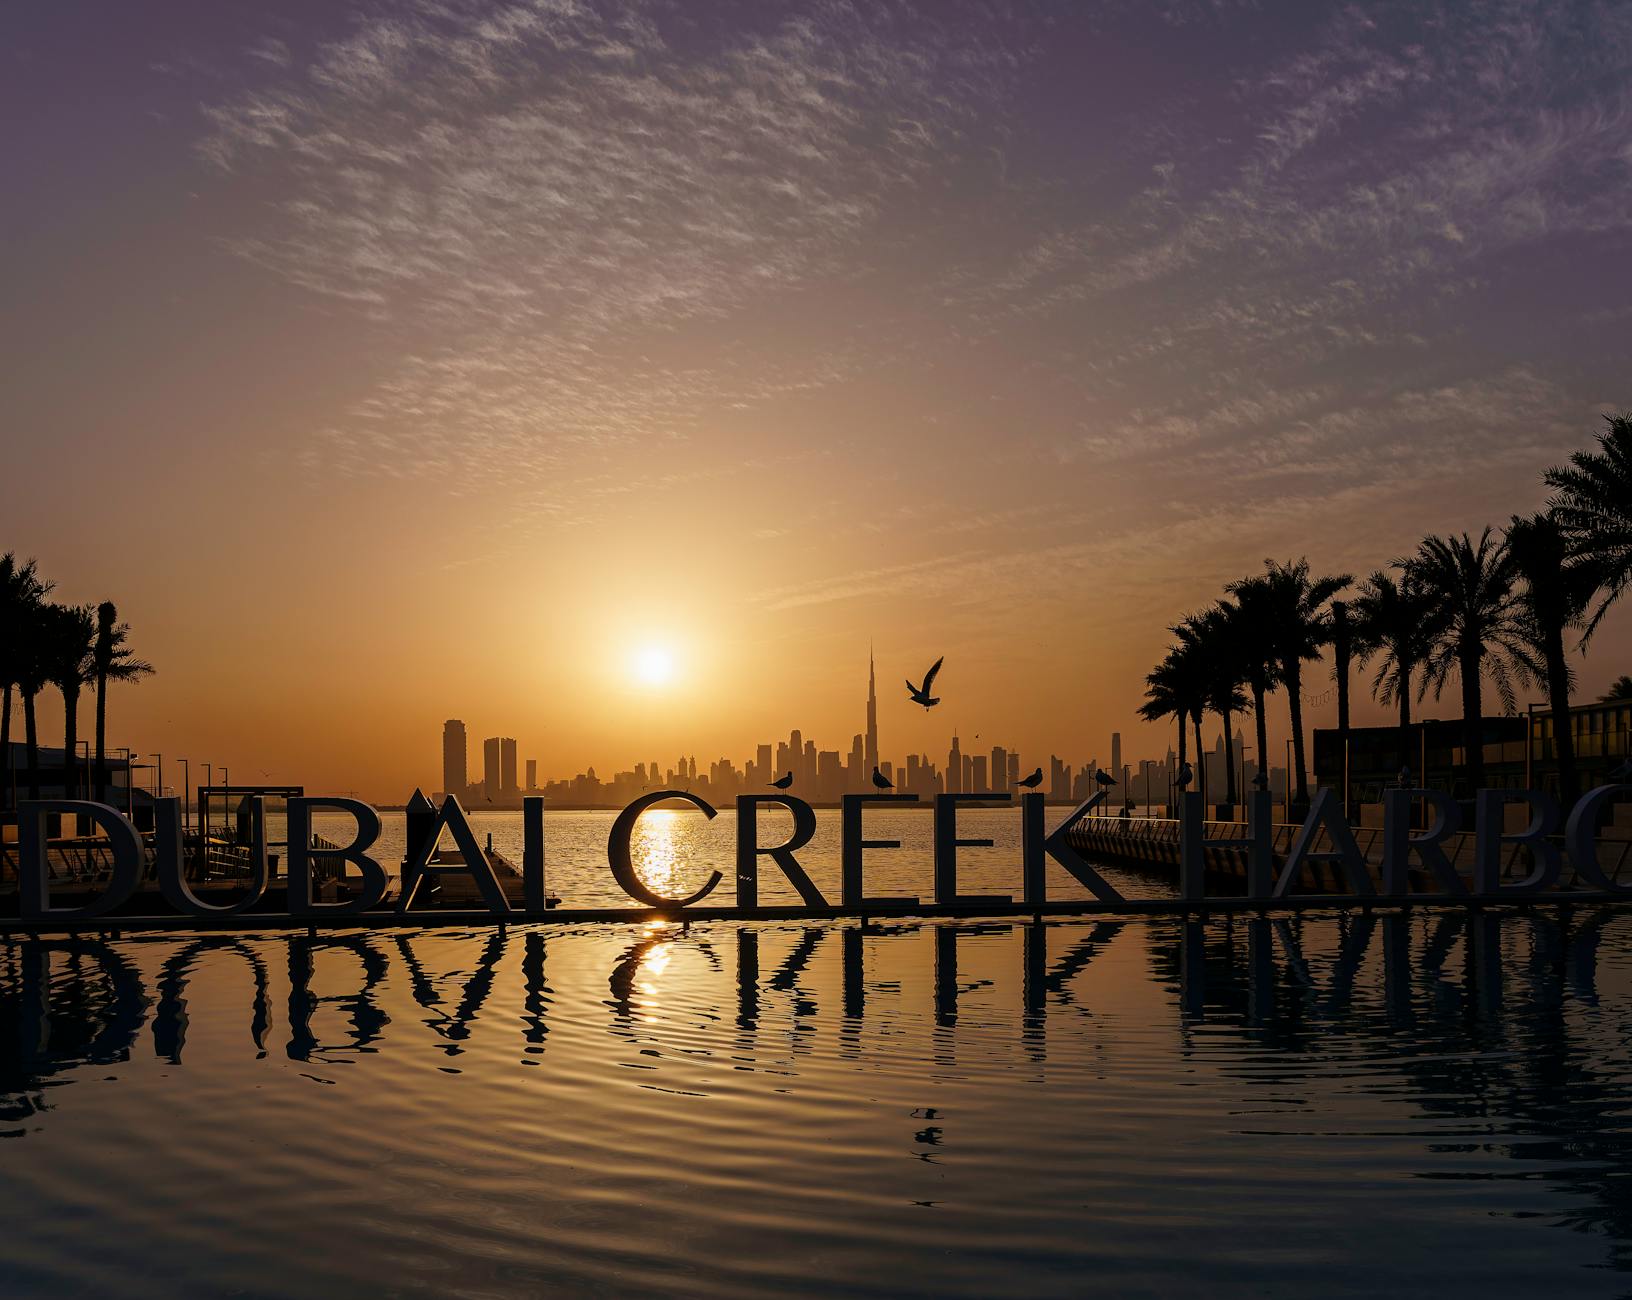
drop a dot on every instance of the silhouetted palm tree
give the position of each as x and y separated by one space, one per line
1398 622
1341 636
1211 635
1473 584
1619 689
69 633
21 592
1175 688
1554 594
1592 500
1294 606
111 661
1249 632
33 675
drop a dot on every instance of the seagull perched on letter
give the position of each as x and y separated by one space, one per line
921 694
1103 779
881 781
1034 780
782 782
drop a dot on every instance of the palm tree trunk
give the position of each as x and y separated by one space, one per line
70 744
1405 722
1261 726
1473 748
5 752
1181 746
1201 758
1341 650
1292 675
1558 698
101 737
1229 761
31 740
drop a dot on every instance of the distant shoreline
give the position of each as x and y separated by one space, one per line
926 802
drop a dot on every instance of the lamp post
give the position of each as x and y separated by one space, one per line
186 795
130 779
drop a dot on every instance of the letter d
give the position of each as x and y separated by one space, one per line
34 874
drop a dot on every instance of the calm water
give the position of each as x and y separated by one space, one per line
1410 1105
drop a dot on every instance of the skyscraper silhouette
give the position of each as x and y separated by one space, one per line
455 776
490 768
507 764
870 759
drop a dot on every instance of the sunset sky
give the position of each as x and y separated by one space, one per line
395 361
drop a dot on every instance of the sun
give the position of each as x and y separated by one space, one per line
653 666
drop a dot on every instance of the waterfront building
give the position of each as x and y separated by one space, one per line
455 777
490 768
1519 752
870 750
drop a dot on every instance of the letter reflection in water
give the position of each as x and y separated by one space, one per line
1471 1064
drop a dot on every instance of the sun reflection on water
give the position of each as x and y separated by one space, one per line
663 841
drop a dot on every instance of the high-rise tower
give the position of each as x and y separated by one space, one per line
454 776
870 759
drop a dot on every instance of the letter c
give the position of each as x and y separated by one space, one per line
623 868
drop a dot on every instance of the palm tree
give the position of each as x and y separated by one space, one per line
1211 636
70 632
1249 632
111 661
32 666
1397 621
1473 583
1619 689
1592 499
1294 607
1176 688
21 591
1340 628
1553 598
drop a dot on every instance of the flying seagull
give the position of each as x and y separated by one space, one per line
1034 780
782 782
1104 778
881 781
921 694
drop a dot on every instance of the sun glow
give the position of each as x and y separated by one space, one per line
653 666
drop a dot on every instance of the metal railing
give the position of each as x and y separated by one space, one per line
1615 856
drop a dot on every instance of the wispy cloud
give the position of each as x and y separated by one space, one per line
590 229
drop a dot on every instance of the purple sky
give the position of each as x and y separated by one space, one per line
370 346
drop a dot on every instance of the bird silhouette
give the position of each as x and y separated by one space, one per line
1104 778
921 694
1186 774
881 781
1623 772
782 782
1034 780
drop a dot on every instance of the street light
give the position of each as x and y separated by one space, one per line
186 795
